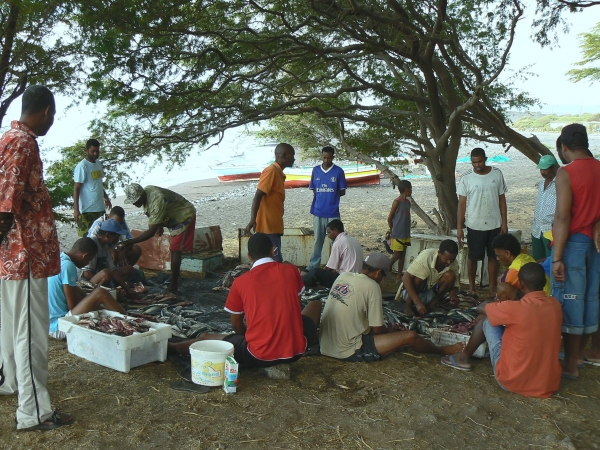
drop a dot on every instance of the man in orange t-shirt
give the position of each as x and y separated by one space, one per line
523 336
266 215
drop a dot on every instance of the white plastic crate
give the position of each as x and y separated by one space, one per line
443 337
120 353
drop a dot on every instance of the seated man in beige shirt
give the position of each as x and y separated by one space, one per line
352 326
433 274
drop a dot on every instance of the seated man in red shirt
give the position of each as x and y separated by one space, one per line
276 330
523 338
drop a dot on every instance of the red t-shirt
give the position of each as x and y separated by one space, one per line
584 174
528 363
268 295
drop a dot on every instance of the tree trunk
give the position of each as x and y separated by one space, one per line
436 228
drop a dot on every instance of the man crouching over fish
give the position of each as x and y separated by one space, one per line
66 298
267 296
523 338
352 327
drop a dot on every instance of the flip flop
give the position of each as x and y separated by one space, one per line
561 357
568 376
452 363
183 385
592 362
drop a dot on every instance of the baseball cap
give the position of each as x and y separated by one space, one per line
574 134
112 226
380 262
133 192
546 162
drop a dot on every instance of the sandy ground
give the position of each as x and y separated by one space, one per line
406 401
364 210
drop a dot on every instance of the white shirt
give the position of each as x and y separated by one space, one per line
545 207
483 198
346 254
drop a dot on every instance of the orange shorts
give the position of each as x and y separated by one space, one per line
184 242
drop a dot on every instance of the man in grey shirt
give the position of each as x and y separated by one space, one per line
481 195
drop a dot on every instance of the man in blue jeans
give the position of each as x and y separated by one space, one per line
328 183
575 262
523 337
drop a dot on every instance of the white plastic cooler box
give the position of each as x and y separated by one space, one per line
120 353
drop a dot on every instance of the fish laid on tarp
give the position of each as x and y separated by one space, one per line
226 280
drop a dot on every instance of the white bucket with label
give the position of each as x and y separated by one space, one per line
208 361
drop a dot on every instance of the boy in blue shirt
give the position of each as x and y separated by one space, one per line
399 222
65 298
328 183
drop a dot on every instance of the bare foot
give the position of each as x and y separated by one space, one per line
452 349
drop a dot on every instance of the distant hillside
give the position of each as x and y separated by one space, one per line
553 122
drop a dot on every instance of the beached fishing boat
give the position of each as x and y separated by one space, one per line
356 175
237 173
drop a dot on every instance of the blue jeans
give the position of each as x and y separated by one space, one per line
319 226
578 294
493 336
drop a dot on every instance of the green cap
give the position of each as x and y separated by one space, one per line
546 162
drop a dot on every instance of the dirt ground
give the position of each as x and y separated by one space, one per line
406 401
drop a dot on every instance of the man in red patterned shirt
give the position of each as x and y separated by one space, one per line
29 254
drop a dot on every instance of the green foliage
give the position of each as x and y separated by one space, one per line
590 46
543 122
37 49
59 175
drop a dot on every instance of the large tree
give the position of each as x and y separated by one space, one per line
175 72
34 49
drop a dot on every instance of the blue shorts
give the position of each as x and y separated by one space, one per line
276 241
493 336
578 294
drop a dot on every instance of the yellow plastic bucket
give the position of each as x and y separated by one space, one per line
208 361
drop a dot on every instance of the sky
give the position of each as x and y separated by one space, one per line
551 85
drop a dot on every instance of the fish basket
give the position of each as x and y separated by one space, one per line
444 337
120 353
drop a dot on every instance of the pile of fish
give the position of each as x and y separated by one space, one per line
119 326
458 320
226 280
183 318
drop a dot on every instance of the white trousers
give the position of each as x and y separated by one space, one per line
24 347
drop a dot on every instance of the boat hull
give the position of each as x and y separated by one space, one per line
365 178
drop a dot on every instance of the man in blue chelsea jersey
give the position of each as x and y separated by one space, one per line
328 183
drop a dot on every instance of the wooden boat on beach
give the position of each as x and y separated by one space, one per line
360 175
356 175
237 173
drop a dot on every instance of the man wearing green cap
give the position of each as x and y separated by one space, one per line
545 206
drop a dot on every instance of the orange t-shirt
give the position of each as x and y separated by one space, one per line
270 213
528 363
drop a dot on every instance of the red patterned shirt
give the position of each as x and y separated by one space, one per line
33 238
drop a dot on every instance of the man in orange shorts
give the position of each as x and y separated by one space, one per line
164 208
